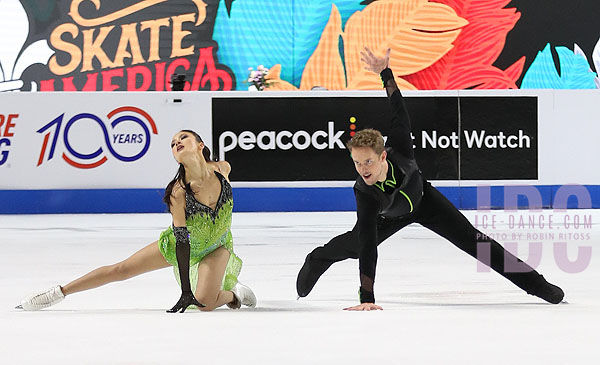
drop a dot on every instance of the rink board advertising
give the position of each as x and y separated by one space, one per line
303 138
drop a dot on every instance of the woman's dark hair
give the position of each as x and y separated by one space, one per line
180 176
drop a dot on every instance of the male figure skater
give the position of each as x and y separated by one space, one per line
390 194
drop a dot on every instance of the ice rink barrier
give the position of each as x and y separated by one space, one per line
108 152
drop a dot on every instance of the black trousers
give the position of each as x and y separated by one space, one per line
438 214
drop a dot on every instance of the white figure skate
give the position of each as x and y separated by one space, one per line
42 300
244 295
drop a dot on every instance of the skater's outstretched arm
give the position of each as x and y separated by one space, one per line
366 211
399 137
182 250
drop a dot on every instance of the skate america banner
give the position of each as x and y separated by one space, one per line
109 45
93 140
93 45
303 138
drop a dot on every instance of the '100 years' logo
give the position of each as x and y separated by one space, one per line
126 142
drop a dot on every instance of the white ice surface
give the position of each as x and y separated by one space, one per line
438 309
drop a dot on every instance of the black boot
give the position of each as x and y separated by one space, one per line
549 292
310 273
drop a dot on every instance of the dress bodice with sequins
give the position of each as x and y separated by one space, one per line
210 228
194 207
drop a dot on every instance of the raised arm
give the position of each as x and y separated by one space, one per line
399 137
182 250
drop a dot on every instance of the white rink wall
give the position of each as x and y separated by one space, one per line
111 143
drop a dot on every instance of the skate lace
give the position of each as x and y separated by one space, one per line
44 298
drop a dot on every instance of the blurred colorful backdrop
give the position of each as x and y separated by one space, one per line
95 45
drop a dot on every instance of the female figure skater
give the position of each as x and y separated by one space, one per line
200 201
390 194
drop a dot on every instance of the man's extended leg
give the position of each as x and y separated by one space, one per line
340 248
321 258
441 216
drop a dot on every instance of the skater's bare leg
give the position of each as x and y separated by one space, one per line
147 259
210 277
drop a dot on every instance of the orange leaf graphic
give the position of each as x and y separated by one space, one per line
418 32
275 82
325 68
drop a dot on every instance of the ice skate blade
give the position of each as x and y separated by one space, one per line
19 307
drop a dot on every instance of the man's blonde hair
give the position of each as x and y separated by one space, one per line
367 138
